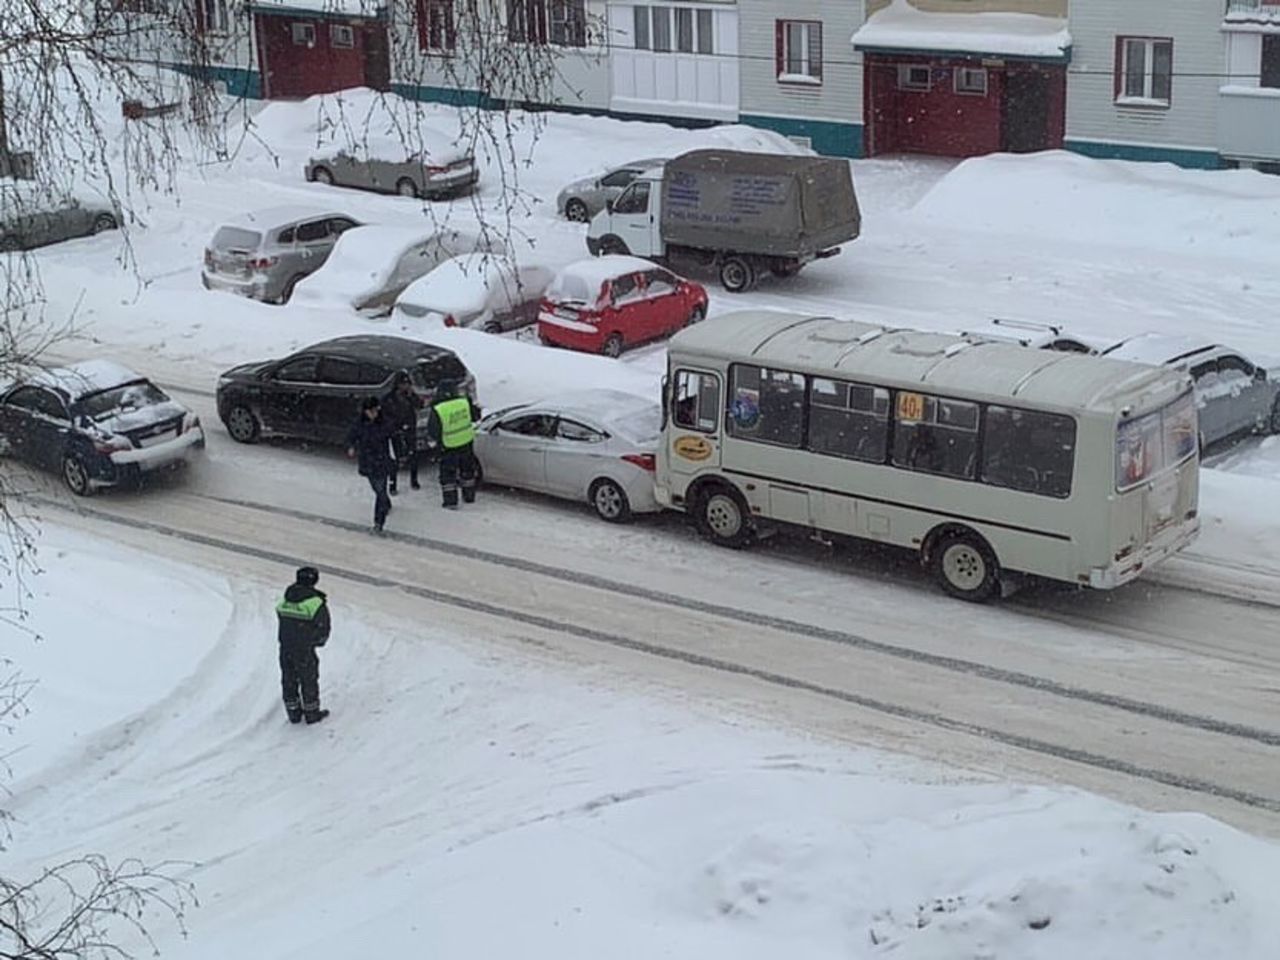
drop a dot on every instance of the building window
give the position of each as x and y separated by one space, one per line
971 80
562 22
304 34
684 29
706 33
661 29
1271 60
798 50
214 16
914 77
437 29
667 29
640 29
1144 74
342 36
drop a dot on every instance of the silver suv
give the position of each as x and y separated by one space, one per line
264 254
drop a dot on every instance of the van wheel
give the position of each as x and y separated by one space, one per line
737 274
610 501
406 188
242 424
322 175
965 566
612 346
492 327
612 246
723 517
76 475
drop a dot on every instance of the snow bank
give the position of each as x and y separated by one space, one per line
1114 203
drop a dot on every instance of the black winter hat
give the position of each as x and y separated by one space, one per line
308 576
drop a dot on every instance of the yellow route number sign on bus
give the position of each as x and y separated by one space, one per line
910 407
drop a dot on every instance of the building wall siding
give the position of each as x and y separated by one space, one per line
1188 127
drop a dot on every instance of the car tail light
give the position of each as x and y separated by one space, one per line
450 320
262 263
208 258
645 461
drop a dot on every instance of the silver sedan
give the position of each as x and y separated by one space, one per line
29 219
583 199
592 445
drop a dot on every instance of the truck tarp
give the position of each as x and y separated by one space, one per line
759 203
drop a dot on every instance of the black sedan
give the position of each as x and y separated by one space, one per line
315 394
96 423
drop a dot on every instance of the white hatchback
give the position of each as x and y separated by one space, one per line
592 445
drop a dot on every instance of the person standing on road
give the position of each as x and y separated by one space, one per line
401 412
369 441
304 626
451 425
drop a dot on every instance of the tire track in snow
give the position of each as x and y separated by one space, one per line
928 717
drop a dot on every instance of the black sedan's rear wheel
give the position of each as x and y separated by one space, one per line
242 424
75 474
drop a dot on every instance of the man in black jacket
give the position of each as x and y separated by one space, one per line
400 409
304 626
369 441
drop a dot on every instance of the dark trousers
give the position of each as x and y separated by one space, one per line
299 678
405 446
458 471
381 499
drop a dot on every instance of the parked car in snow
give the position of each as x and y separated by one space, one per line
442 168
371 265
489 292
1234 396
97 423
607 304
263 254
1042 336
29 218
592 445
315 394
583 199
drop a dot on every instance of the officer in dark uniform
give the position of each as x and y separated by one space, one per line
451 426
304 626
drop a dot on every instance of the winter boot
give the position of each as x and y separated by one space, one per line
294 712
315 716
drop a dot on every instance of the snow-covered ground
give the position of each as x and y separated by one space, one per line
464 803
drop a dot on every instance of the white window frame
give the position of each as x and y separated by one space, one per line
810 71
216 15
1147 98
961 76
307 33
342 29
699 17
904 77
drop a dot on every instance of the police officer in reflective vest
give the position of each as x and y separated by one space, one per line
304 626
451 427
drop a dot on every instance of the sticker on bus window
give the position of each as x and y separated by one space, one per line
910 407
745 408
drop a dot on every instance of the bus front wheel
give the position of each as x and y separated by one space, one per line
723 517
965 566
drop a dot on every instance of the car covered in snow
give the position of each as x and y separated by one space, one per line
1234 395
263 254
583 199
489 292
97 423
371 265
1042 336
441 168
596 446
606 304
32 218
315 393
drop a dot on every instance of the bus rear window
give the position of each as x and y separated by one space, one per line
1147 445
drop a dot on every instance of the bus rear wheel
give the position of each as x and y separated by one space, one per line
723 517
965 566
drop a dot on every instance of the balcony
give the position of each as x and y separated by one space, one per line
1249 123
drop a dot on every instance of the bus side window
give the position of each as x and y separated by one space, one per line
935 435
767 405
696 401
849 420
1029 451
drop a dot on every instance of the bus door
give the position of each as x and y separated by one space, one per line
694 434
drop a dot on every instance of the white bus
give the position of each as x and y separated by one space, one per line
987 458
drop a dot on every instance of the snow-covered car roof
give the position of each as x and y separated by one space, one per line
89 376
418 142
1158 349
581 281
269 218
460 284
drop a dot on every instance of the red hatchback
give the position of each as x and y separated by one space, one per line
606 304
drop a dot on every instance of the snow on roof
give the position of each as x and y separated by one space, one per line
583 279
271 217
460 284
338 8
1252 18
88 376
900 26
1156 348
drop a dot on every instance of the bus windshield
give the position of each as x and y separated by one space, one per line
1147 445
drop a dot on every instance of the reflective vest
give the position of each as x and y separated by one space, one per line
306 610
455 422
